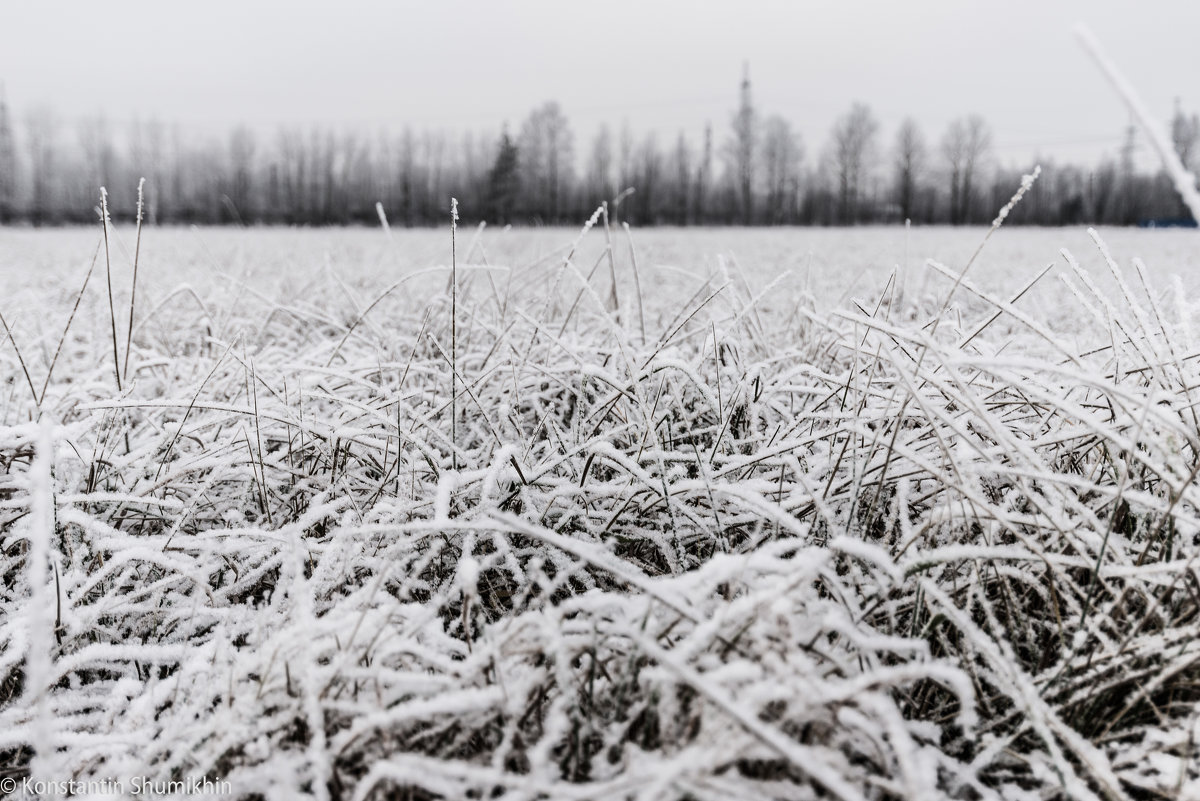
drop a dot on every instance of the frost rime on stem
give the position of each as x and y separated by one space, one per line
39 659
1185 182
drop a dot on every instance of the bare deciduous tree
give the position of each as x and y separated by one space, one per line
741 149
1185 136
681 160
546 147
99 156
852 154
600 166
147 158
966 144
704 176
909 157
40 134
649 180
8 164
241 162
782 153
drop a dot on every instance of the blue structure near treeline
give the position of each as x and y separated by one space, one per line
1168 222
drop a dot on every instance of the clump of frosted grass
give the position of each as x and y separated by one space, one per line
763 550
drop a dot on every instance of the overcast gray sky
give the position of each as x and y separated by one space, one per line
663 65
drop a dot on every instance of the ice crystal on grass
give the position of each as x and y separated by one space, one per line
1027 182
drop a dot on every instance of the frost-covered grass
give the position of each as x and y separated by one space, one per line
716 531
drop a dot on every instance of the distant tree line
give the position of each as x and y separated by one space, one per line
754 172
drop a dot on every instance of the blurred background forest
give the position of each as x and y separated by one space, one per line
754 169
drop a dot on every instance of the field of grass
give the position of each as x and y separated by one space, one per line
682 514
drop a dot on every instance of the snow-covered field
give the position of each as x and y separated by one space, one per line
692 514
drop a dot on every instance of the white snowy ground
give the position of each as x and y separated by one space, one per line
747 524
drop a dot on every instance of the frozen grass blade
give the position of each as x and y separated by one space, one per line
137 252
1184 181
453 336
112 309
